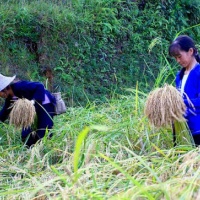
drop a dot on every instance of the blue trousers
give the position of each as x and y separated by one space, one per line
45 116
196 139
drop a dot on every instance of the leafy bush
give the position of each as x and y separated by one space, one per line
94 47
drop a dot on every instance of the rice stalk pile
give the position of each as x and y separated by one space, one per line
164 106
22 114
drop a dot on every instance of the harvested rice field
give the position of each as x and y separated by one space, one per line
102 151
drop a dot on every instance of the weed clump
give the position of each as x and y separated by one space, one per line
165 106
22 114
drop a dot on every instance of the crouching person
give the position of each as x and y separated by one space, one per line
42 99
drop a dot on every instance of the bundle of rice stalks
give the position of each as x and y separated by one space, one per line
165 106
183 134
22 114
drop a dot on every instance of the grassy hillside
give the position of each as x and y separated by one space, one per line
93 47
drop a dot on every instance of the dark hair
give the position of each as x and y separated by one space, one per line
183 43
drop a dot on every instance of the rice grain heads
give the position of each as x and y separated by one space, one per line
164 106
22 114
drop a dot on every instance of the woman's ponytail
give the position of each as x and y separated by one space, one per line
197 57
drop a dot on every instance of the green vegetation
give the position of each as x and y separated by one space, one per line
94 47
106 56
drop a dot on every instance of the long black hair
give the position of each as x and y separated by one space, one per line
183 43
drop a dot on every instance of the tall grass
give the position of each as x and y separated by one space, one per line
101 151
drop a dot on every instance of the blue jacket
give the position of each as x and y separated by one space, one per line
192 90
29 90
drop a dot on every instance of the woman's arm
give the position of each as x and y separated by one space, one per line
5 111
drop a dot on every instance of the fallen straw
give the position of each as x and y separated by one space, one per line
164 106
22 114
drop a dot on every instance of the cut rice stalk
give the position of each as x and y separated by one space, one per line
22 114
165 106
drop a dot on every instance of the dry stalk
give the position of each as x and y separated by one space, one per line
164 106
22 114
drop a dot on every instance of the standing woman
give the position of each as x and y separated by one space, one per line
188 80
35 92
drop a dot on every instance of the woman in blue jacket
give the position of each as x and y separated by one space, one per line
188 80
35 92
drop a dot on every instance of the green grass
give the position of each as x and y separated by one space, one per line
101 151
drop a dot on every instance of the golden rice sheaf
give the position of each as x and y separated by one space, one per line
22 114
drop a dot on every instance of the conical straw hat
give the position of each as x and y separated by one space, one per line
5 81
